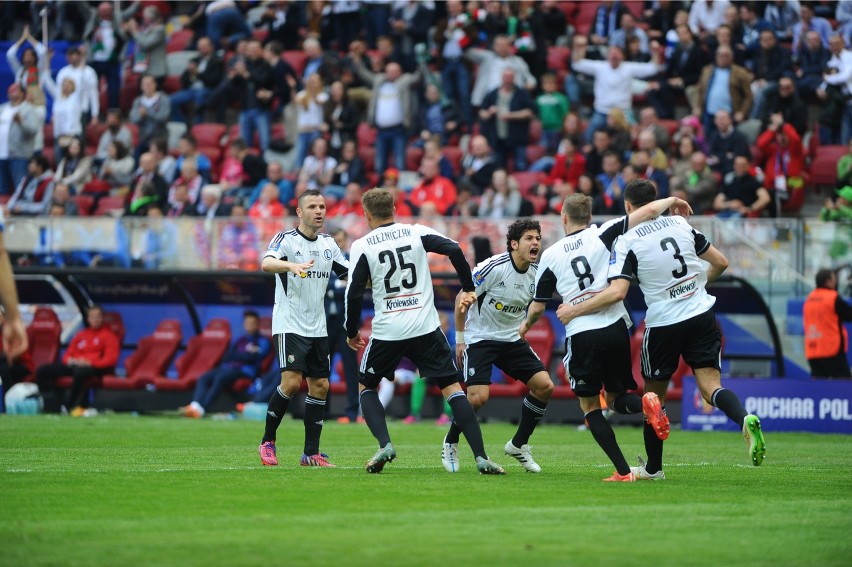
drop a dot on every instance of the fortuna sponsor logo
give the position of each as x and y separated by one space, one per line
509 309
393 304
659 224
317 275
388 235
683 289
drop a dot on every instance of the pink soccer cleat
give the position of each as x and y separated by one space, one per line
267 454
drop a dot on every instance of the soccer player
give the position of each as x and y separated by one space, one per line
504 288
14 335
302 260
597 347
664 254
393 257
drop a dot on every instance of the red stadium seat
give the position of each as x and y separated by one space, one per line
527 180
557 58
368 156
412 158
47 129
109 203
114 321
366 135
171 84
203 352
209 134
84 204
297 59
824 165
44 334
96 186
179 40
455 155
154 353
93 135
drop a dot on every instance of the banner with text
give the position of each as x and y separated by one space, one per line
820 406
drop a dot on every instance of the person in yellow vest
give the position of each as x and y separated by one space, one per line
826 339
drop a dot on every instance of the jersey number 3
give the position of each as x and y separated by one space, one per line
585 274
388 257
664 244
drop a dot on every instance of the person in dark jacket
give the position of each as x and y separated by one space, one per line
768 64
254 81
811 59
505 118
683 69
202 75
341 119
785 101
243 359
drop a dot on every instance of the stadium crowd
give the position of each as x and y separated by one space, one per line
491 109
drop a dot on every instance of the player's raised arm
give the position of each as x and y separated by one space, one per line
718 263
656 208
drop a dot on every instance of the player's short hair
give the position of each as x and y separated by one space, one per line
378 202
640 192
308 193
517 229
823 276
578 208
251 313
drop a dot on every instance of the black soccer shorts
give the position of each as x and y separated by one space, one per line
697 339
309 355
431 353
517 359
599 358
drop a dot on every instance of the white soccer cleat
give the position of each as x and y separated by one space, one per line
523 455
450 456
641 474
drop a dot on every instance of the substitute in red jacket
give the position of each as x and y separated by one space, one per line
433 188
93 352
826 340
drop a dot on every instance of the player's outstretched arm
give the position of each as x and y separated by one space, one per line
14 335
615 292
534 312
656 208
272 265
718 263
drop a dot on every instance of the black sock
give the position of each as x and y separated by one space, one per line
275 413
605 436
654 448
313 418
532 410
453 433
728 402
374 415
467 423
627 403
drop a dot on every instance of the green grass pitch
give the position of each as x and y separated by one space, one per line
119 490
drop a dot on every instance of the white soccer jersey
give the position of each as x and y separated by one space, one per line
299 305
576 267
393 257
663 253
503 293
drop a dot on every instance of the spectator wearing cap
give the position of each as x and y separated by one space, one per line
86 81
839 209
505 121
391 183
19 125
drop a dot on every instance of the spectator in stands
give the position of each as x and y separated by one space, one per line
811 61
725 143
117 169
648 142
782 15
390 110
844 168
28 70
650 121
705 16
318 62
190 179
203 74
106 39
18 128
619 131
281 20
38 107
567 168
752 25
350 169
680 163
340 119
690 127
826 340
601 144
75 168
839 209
285 79
180 203
61 198
210 205
843 15
723 86
93 353
34 190
254 81
552 108
683 69
438 117
496 22
228 90
768 64
226 25
642 161
697 185
144 196
741 194
241 361
433 188
67 112
390 181
477 166
612 182
628 30
318 169
238 243
503 198
809 21
432 149
85 80
150 112
410 22
492 64
455 75
148 174
784 101
268 205
590 187
611 77
309 104
115 130
607 19
188 149
150 42
725 37
274 175
349 204
580 85
835 92
784 157
505 120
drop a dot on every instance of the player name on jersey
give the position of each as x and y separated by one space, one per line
388 235
653 226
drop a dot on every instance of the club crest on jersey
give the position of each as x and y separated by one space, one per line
327 254
275 246
290 358
471 371
612 257
478 278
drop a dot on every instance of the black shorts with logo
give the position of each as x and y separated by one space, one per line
517 359
431 353
599 358
697 339
309 355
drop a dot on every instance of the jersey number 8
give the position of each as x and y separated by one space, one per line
586 274
387 257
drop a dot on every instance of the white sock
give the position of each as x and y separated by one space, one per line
197 407
386 389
